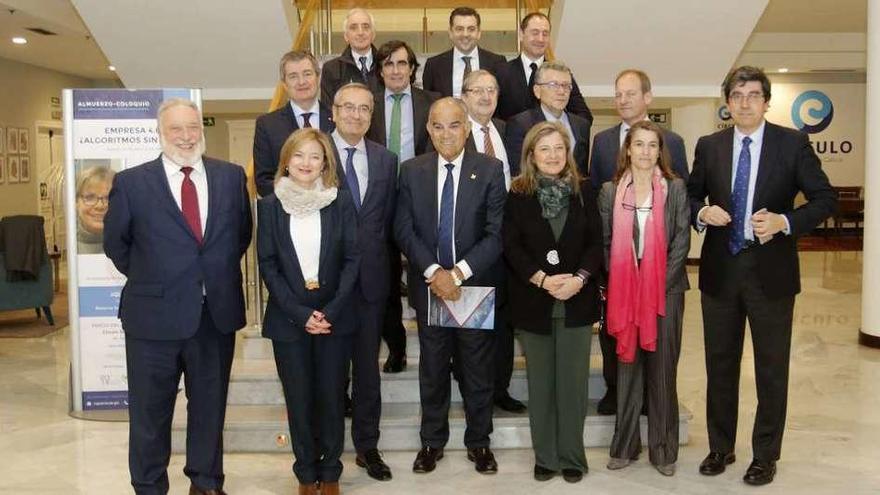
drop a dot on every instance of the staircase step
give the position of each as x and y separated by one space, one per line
263 428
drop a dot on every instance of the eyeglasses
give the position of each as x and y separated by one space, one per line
556 86
483 91
754 97
351 108
92 199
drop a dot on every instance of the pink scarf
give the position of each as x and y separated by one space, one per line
637 292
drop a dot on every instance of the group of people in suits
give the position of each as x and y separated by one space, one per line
480 179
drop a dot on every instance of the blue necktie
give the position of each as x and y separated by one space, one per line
447 221
352 179
740 197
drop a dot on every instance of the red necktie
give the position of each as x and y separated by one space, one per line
189 204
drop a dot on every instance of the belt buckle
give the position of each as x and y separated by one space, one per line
312 284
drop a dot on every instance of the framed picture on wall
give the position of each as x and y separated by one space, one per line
24 142
2 140
2 168
24 168
11 140
12 169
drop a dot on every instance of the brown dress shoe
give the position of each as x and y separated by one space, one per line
330 488
308 489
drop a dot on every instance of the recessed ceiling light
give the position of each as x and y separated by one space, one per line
111 68
18 40
783 70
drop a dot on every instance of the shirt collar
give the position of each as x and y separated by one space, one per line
441 162
756 136
552 118
407 91
457 54
624 127
526 61
341 143
356 56
299 111
477 126
171 167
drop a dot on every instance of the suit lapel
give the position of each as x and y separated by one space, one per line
420 119
371 177
290 118
466 184
769 152
213 195
326 223
379 134
613 146
446 72
163 190
283 226
429 179
725 157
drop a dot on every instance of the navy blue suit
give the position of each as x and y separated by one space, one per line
181 304
312 368
516 96
374 224
479 208
437 74
519 125
606 147
271 131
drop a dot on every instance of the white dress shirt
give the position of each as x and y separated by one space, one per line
458 68
357 59
563 119
497 145
314 118
407 129
441 179
305 233
199 178
526 61
361 168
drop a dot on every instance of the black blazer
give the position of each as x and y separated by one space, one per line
519 126
290 305
437 74
479 208
516 96
606 147
375 219
528 238
500 125
344 69
149 241
421 100
271 131
788 165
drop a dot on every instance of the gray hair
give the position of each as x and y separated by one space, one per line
358 10
555 65
176 102
352 85
473 76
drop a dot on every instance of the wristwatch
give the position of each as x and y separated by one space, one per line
455 279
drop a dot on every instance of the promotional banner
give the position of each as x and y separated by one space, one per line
106 131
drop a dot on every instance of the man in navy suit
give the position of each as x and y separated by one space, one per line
177 228
553 90
448 224
445 73
632 96
368 172
301 77
519 74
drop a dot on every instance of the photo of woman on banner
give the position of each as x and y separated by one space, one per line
92 190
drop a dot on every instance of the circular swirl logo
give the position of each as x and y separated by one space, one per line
819 111
724 113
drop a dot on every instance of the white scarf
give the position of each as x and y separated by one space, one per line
300 202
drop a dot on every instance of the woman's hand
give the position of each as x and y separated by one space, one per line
554 282
317 324
567 287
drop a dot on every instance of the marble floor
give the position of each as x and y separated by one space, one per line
832 442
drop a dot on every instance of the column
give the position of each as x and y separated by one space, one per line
869 334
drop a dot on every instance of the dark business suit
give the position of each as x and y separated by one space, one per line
760 282
606 147
653 374
519 125
312 368
271 131
469 145
437 74
516 96
181 304
344 69
479 207
375 220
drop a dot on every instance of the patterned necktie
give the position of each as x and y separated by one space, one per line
365 72
487 142
351 178
306 116
189 204
739 198
467 68
447 221
394 131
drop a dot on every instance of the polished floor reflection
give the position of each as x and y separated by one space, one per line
831 446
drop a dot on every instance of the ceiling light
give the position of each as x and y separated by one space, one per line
111 68
783 70
18 40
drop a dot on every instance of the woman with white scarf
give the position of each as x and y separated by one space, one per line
646 217
309 261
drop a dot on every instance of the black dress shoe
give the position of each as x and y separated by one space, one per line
509 404
543 474
760 472
483 459
607 406
348 406
376 467
426 459
394 363
715 463
572 475
194 490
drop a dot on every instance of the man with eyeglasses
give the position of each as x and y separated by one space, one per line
368 172
445 73
553 87
357 61
518 77
750 174
399 123
632 96
301 77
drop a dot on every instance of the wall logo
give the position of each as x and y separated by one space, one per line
724 113
821 116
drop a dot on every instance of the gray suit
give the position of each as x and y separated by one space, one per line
661 365
606 146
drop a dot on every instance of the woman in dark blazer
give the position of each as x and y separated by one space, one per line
553 247
309 261
645 216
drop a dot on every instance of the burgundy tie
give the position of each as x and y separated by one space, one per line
488 148
189 203
306 116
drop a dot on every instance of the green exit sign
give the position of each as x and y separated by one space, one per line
208 121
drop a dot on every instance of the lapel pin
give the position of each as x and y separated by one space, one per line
473 176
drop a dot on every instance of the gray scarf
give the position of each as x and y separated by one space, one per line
553 196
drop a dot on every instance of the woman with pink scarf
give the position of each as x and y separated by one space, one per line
645 216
